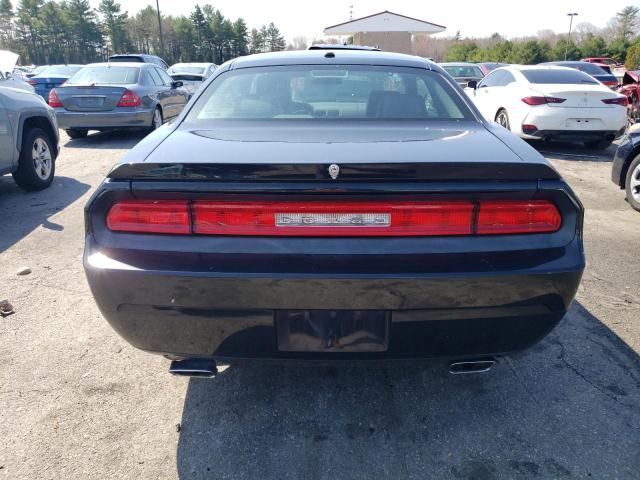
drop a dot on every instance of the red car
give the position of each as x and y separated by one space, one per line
631 88
606 60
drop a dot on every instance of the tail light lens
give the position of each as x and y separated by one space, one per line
622 101
542 100
129 99
529 129
504 217
148 216
54 100
32 82
335 219
610 83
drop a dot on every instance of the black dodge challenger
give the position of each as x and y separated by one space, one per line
332 205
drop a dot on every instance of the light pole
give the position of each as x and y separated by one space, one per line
160 28
571 15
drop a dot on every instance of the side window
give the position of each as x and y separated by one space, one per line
492 80
166 79
153 73
145 78
508 78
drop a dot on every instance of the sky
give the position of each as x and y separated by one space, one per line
511 18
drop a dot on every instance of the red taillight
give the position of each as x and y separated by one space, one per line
54 100
529 129
32 82
622 101
334 218
542 100
530 216
129 99
610 83
149 216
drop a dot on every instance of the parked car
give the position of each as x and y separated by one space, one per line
36 71
7 67
552 103
139 58
593 69
28 138
52 77
487 67
630 88
625 172
108 96
294 214
191 74
463 73
606 60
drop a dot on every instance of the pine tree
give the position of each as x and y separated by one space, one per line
114 22
84 30
240 38
6 24
27 30
274 39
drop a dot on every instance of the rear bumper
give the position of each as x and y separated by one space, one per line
573 135
104 120
431 314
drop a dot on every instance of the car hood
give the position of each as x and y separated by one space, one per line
447 149
8 61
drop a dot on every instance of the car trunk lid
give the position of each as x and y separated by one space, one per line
577 96
90 98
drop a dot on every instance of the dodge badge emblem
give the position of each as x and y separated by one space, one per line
334 171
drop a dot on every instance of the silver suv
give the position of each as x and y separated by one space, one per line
28 138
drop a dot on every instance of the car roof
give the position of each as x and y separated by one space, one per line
192 64
458 64
329 46
535 67
332 57
120 64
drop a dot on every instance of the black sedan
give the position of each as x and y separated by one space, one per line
625 171
332 206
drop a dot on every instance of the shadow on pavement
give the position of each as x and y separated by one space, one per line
22 212
117 140
565 409
573 151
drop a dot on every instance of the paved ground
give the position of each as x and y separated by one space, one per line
76 402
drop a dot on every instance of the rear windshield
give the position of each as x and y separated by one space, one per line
585 67
466 71
59 70
127 58
558 77
336 92
183 69
186 77
105 76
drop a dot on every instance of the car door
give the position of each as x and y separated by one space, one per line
485 95
162 91
6 140
176 97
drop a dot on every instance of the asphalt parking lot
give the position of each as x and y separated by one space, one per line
77 402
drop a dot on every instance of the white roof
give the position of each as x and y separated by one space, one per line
384 22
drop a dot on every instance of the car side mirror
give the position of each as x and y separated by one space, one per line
177 84
472 84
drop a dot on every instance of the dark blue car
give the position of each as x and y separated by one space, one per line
332 205
52 77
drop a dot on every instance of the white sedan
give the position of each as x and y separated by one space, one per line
552 103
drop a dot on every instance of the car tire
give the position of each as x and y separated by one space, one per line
598 144
77 133
502 119
37 162
157 120
632 184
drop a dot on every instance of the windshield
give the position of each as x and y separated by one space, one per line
558 76
186 69
105 76
64 70
336 92
466 71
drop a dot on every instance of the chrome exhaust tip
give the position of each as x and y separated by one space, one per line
472 366
194 367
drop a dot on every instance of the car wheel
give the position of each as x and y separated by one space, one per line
598 144
502 119
37 162
632 184
77 133
157 120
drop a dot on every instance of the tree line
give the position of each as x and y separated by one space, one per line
71 31
619 40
